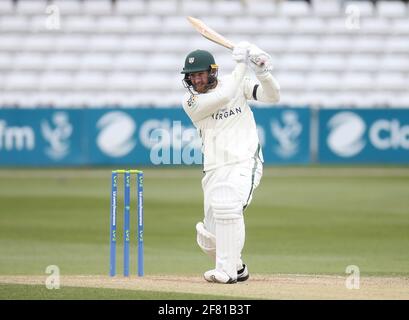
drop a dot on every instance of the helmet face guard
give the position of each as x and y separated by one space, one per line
199 61
212 78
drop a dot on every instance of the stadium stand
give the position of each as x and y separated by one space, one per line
89 53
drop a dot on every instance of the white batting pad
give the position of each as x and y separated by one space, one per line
228 214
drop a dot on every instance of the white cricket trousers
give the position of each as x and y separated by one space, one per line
245 176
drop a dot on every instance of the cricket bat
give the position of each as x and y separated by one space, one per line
209 33
212 35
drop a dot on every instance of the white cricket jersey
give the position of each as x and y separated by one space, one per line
228 131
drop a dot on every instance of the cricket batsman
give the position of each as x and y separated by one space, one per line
230 145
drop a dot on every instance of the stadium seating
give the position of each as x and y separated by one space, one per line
130 52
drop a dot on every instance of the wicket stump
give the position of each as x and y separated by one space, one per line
127 226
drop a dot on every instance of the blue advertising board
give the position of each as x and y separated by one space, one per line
364 136
65 137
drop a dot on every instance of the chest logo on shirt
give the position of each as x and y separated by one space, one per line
224 114
192 102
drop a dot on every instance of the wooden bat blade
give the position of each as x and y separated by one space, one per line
209 33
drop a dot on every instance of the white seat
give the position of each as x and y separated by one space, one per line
303 44
294 8
162 7
43 99
392 9
291 81
394 62
22 81
176 24
368 44
271 44
397 45
10 99
96 61
317 81
295 62
401 101
342 26
139 44
38 24
14 24
29 61
245 25
171 44
129 61
377 98
63 61
377 26
393 100
391 81
9 42
356 81
401 27
41 43
80 24
130 7
227 8
72 100
362 62
292 99
310 25
97 7
198 7
276 26
6 7
124 81
164 62
140 99
144 24
105 43
113 24
260 8
328 62
361 8
154 81
327 9
69 7
72 43
25 100
108 99
84 81
56 81
31 7
6 61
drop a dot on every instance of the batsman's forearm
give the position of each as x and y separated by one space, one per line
230 90
269 90
209 103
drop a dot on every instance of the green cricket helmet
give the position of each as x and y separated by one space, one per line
199 60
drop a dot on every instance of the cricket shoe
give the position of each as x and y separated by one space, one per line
243 274
218 277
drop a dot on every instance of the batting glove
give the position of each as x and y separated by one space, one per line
241 52
262 62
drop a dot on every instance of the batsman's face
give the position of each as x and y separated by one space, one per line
200 81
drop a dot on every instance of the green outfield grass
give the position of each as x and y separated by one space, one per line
38 292
304 220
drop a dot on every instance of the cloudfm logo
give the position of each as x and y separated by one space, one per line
346 134
116 134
